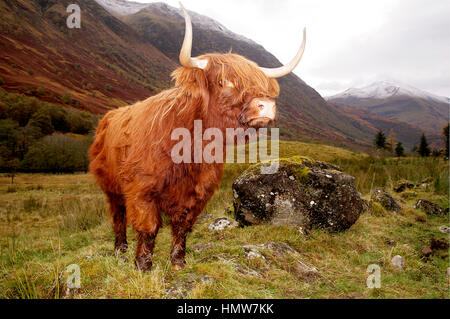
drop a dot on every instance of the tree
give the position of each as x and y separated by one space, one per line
399 150
445 132
423 149
12 165
391 140
58 153
380 140
43 121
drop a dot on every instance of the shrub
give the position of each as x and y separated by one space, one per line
66 98
58 153
43 121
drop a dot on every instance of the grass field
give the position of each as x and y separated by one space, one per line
48 222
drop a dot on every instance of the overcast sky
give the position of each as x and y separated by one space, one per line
350 43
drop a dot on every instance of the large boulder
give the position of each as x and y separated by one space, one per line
301 193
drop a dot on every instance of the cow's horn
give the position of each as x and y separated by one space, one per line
288 68
185 54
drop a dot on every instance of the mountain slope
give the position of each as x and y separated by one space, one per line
407 134
125 52
303 113
102 65
400 102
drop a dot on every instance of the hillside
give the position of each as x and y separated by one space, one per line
102 65
407 134
400 102
125 52
48 222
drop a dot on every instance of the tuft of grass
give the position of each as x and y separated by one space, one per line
81 215
31 204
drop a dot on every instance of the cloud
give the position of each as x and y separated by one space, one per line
412 46
350 42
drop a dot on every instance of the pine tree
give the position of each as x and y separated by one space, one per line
424 150
399 150
380 140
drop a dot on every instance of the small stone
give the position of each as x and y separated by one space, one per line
390 242
253 254
398 261
386 200
444 229
222 223
426 251
292 178
429 208
403 185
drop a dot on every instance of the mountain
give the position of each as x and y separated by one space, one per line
398 101
303 113
102 65
407 134
125 51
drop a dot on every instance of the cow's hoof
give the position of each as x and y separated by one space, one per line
143 264
177 267
121 247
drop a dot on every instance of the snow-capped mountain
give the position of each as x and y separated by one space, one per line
398 101
126 8
387 89
121 7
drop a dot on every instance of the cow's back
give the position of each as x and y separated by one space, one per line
108 151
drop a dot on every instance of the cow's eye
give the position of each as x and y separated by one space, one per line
226 83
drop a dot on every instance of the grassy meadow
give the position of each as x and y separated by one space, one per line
48 222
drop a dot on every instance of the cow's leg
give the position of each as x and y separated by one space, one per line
119 216
146 221
181 221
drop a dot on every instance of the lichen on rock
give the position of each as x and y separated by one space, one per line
301 193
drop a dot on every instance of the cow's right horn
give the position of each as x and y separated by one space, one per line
288 68
185 54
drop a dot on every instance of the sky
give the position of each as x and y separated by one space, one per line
350 43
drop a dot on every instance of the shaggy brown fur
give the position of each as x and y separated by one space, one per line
131 154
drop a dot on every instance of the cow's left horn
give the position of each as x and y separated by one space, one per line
185 54
288 68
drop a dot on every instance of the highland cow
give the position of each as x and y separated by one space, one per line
131 155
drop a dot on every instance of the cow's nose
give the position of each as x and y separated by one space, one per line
267 109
